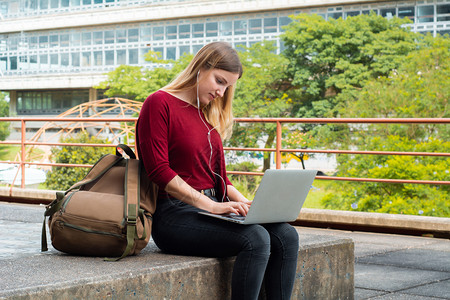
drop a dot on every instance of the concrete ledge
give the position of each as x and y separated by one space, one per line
31 196
308 216
325 270
408 223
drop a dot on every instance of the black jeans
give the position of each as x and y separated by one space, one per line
263 252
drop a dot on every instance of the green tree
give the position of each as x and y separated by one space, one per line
4 112
327 58
137 83
61 178
419 88
261 92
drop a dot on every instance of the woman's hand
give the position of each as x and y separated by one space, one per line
239 208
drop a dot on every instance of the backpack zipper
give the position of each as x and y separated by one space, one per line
89 230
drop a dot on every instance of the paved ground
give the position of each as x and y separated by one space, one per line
398 267
387 266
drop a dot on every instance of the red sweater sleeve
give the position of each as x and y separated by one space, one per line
153 130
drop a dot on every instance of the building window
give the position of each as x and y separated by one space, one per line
43 42
143 52
75 59
171 53
425 14
158 33
98 37
270 25
351 14
146 34
86 59
121 36
64 60
13 62
121 57
133 56
388 13
54 41
255 26
334 15
196 48
284 21
43 62
98 58
226 28
406 12
212 29
240 27
32 42
64 40
184 50
54 61
43 4
109 37
171 32
443 12
109 58
198 30
159 51
34 62
184 31
86 38
133 35
54 3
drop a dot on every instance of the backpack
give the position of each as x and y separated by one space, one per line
108 213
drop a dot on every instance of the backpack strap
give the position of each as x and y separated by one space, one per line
131 205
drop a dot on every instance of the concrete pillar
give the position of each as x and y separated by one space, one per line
92 97
13 103
92 94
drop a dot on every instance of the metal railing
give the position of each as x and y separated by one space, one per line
278 150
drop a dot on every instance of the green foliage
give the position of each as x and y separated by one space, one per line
137 83
246 184
329 57
4 112
420 88
261 92
61 178
427 200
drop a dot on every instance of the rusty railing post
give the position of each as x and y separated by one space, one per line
278 147
22 154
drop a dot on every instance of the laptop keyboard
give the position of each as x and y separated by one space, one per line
236 217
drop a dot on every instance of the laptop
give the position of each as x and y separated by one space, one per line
279 198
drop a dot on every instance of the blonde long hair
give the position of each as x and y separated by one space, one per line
216 55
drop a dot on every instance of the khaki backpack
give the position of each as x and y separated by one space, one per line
108 213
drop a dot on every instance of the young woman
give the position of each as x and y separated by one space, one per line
180 131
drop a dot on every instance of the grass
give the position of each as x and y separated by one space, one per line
318 191
9 152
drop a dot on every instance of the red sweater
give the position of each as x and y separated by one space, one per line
173 140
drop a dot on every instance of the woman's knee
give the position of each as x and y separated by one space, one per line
258 240
284 238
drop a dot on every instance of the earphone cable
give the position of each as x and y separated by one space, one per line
210 144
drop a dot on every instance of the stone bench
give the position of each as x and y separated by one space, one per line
325 270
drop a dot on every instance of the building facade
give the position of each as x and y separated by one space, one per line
52 52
